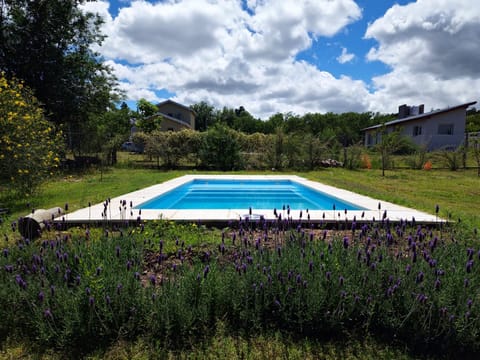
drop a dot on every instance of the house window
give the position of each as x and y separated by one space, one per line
417 130
445 129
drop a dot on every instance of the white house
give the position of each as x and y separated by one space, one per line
437 129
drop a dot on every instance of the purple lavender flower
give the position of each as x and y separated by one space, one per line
437 283
119 289
99 270
41 296
52 290
328 275
469 303
341 280
345 242
469 266
206 271
419 277
422 299
466 282
48 314
153 280
117 251
470 252
91 301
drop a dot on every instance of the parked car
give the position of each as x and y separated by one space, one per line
132 147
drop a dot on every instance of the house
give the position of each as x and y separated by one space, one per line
437 129
175 116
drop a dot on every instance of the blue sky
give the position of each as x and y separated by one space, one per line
295 56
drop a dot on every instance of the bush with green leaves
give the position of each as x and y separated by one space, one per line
29 144
220 149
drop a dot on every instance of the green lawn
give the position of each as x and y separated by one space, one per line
456 192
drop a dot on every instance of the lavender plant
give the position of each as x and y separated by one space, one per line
399 281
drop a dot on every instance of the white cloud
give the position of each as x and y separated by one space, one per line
222 53
345 56
229 55
432 48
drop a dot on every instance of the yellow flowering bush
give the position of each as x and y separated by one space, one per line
29 144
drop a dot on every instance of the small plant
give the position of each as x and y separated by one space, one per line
418 159
453 158
366 162
476 153
353 156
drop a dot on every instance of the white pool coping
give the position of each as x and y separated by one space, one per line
117 213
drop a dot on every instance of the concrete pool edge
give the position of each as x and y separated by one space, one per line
117 212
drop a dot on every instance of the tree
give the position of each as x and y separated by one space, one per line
146 111
29 144
204 115
48 44
113 129
389 143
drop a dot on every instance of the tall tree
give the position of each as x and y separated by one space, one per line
147 122
48 44
205 115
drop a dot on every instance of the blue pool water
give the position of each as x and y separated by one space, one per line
244 194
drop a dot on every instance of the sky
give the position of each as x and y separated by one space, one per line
294 56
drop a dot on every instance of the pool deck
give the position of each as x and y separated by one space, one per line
116 212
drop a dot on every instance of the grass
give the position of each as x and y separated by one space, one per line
456 192
225 346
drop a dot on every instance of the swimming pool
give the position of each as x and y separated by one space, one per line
139 204
246 194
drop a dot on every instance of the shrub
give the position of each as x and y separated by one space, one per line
29 144
353 156
452 158
220 148
418 159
